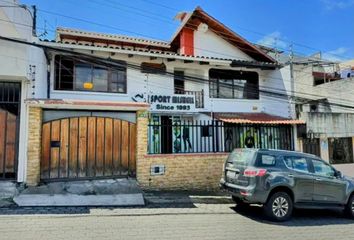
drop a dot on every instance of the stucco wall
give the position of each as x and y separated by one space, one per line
338 92
138 82
208 43
15 61
346 169
330 124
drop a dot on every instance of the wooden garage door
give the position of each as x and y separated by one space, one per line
9 121
87 147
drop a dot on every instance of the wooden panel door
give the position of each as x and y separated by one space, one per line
10 99
8 148
88 147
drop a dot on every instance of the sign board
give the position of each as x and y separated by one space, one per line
168 103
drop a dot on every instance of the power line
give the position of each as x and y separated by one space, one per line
137 67
108 26
259 33
142 10
284 90
205 50
267 77
246 29
93 23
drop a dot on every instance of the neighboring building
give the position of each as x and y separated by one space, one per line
323 98
347 69
21 68
118 106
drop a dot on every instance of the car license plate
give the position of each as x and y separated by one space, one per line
231 174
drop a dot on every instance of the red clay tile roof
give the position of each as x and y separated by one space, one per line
192 20
255 118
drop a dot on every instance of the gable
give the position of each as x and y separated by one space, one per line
209 44
197 19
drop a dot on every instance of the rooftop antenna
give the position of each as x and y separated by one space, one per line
45 30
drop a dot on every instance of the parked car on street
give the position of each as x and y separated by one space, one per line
284 180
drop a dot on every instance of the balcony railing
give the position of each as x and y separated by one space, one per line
199 96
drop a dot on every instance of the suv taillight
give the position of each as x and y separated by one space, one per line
254 172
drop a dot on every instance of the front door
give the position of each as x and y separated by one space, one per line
9 122
311 146
87 147
327 187
166 134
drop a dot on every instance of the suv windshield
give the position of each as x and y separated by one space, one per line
241 157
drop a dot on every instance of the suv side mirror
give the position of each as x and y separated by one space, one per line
339 174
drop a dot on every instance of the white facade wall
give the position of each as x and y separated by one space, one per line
15 61
208 43
337 92
138 82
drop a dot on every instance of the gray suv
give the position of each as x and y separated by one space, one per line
283 180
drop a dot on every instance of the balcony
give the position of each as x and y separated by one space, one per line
199 96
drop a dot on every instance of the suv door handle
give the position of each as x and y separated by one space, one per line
291 175
318 179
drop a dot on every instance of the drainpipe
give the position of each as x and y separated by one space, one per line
48 71
48 83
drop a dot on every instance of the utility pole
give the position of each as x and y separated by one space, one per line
292 80
34 25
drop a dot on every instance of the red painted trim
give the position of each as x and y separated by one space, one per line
187 41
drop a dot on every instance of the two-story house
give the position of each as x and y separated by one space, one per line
116 106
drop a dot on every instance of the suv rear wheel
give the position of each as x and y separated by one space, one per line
349 209
279 207
239 202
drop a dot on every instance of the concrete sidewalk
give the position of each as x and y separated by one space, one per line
118 192
186 197
111 192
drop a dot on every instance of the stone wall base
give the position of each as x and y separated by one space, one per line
182 171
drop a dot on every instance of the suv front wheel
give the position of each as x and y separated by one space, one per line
279 207
349 209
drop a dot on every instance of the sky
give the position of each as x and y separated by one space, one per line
310 26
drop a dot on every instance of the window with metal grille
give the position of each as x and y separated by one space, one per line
233 84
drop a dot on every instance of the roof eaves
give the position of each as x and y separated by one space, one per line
199 9
183 23
163 54
114 37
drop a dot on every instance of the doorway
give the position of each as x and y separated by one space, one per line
10 97
166 134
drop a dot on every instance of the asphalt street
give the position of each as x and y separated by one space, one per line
169 221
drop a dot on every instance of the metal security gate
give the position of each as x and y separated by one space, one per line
10 97
311 146
87 148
